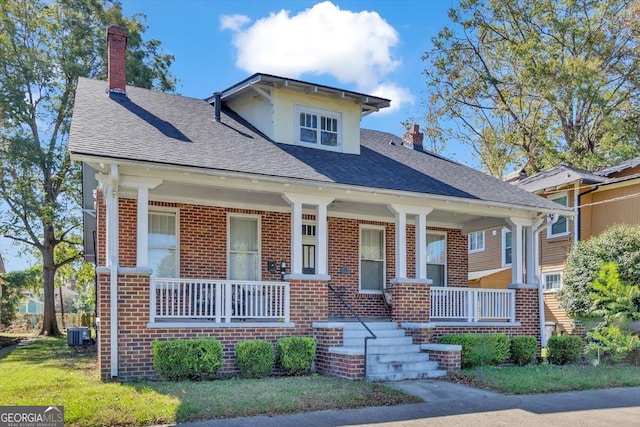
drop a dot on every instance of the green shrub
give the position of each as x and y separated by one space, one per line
295 354
563 349
523 350
613 345
193 359
255 358
619 244
480 349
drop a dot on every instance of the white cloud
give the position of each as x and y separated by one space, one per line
397 94
354 47
233 22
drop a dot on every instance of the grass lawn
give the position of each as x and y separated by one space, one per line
547 378
50 373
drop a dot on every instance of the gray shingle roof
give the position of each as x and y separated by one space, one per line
175 130
628 164
558 175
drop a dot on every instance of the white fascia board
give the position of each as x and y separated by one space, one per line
248 181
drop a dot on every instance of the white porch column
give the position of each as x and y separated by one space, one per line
322 237
297 201
142 250
531 255
421 246
142 185
296 237
517 248
401 244
420 213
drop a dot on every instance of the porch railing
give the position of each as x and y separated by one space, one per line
473 305
218 300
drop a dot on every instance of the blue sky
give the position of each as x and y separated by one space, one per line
374 47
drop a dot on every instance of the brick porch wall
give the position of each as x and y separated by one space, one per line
135 359
526 314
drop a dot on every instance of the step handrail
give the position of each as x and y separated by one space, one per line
353 313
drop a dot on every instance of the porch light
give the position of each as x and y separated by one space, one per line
283 268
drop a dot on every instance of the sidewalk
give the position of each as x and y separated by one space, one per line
456 405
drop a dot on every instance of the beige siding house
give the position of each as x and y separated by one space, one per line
598 199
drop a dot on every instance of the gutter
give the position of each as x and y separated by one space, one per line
112 260
536 254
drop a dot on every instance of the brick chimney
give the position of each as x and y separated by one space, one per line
117 57
415 137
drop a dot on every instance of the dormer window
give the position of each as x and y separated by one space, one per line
319 128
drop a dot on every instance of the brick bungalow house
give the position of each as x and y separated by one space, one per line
598 199
265 211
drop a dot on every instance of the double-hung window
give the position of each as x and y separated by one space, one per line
244 248
163 243
506 247
476 242
372 260
437 258
308 249
561 227
318 127
552 280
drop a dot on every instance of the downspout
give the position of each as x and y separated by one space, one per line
579 208
576 199
112 259
536 238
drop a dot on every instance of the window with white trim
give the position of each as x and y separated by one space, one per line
561 227
244 248
552 280
318 127
163 253
437 258
372 260
506 247
476 242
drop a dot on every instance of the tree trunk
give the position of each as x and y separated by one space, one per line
49 323
62 309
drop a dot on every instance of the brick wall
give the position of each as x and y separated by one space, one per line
410 302
526 313
308 304
203 242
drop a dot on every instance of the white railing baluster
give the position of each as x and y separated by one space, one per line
217 300
472 305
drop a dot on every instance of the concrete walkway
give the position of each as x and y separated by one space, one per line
448 404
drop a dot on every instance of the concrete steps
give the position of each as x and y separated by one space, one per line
390 357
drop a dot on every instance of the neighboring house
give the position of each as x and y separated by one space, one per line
31 304
599 200
265 210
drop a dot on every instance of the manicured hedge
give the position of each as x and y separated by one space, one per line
563 349
193 359
255 358
523 350
480 349
295 354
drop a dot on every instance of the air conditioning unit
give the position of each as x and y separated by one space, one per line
78 336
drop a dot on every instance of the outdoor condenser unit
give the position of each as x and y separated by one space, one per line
78 336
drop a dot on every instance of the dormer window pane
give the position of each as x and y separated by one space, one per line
329 131
318 127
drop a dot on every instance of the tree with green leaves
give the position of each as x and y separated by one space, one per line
46 45
618 244
16 285
536 83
